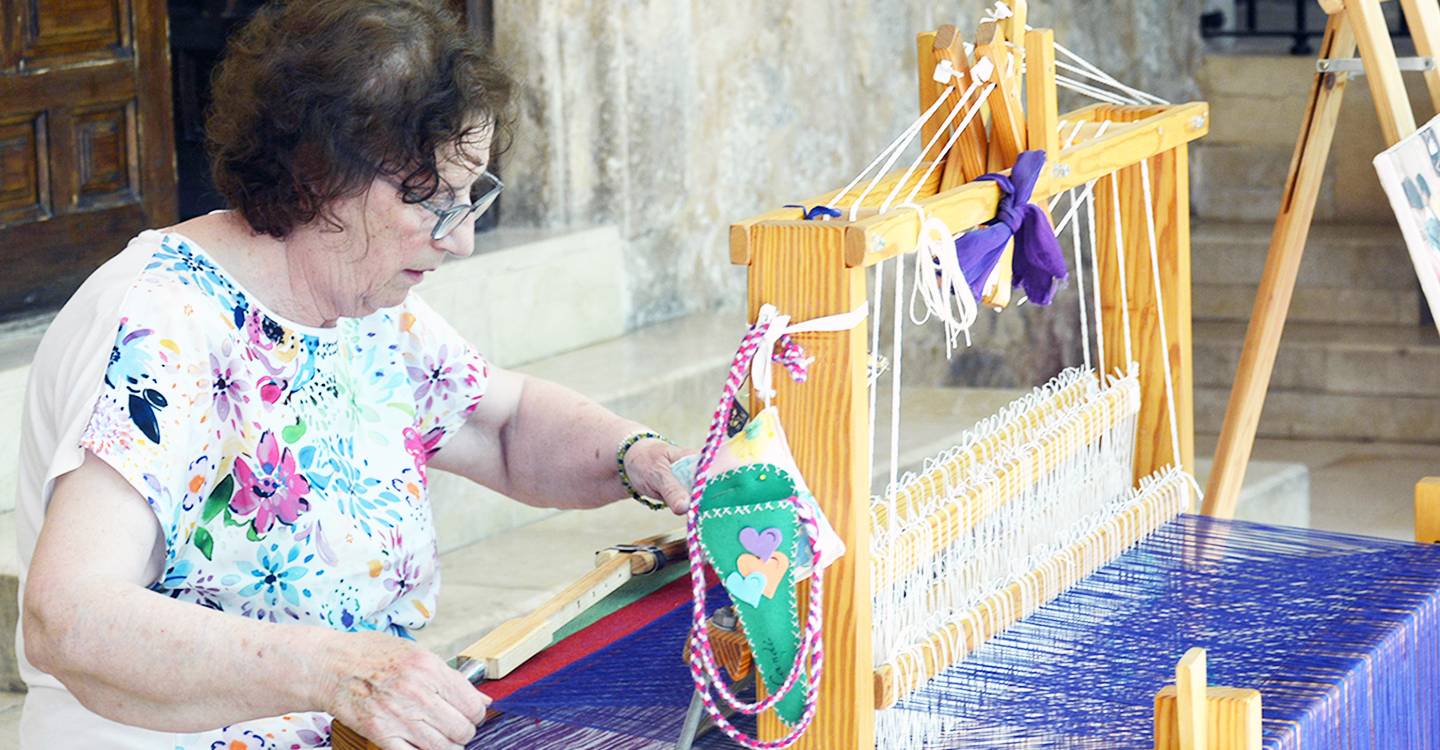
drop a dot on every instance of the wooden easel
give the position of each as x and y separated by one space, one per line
1351 23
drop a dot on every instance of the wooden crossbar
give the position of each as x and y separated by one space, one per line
879 238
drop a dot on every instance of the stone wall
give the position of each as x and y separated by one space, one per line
670 119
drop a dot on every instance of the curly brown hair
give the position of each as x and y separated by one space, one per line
316 98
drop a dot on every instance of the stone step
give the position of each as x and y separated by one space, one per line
1348 256
1319 359
1311 304
1257 105
502 298
1244 182
1306 415
666 376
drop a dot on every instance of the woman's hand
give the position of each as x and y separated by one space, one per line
647 463
398 695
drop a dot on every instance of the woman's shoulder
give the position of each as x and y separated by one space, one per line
157 279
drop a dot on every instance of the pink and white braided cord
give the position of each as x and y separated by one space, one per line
811 653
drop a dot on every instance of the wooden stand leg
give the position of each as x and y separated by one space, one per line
1287 244
1427 510
1423 16
1351 23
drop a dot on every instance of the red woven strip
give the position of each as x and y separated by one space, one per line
602 633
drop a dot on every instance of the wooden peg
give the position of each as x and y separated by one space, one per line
967 158
1189 715
1006 112
996 292
1015 24
1042 118
1427 510
1190 685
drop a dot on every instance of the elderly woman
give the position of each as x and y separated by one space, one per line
223 510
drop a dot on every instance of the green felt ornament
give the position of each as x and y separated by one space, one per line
751 534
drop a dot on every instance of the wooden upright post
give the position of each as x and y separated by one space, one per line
1007 136
800 268
1351 23
925 73
966 159
1042 114
1170 203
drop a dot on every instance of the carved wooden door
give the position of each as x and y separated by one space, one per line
86 143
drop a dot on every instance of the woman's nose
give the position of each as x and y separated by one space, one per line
461 240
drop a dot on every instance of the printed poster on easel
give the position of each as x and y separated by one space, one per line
1410 173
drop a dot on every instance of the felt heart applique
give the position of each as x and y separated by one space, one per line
746 588
761 543
773 569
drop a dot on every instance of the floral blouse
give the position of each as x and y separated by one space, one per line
286 464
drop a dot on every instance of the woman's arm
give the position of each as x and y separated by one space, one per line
144 659
546 445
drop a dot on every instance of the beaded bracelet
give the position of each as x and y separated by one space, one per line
620 454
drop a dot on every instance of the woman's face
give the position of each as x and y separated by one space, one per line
388 248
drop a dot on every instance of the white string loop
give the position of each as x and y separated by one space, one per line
761 370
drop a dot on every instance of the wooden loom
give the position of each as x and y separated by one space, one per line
810 269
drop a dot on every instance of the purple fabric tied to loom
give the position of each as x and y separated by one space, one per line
1039 265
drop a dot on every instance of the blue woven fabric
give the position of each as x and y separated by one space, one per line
1339 633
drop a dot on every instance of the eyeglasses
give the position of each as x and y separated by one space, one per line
482 195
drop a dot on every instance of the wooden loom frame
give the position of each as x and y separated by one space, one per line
809 269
